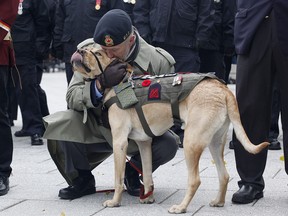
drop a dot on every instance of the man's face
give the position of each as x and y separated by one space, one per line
120 51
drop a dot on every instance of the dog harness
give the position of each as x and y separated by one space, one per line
167 88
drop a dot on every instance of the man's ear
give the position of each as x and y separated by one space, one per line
132 39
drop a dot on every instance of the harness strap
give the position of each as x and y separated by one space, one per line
111 101
139 111
143 121
175 109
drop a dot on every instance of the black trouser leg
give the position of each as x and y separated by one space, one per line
164 149
6 143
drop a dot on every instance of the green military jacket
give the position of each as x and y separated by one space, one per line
79 124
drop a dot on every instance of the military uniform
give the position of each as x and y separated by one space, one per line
178 26
8 11
261 42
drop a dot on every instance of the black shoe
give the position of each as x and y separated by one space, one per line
274 145
4 185
132 181
36 139
81 186
231 145
246 194
21 133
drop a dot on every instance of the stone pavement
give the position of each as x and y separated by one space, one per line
35 181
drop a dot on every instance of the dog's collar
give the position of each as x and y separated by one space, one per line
98 62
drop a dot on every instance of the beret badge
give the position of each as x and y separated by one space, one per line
108 41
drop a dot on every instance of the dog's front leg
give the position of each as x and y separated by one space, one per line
119 150
146 159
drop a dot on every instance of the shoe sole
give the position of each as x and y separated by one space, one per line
67 197
246 201
37 143
4 192
21 135
274 148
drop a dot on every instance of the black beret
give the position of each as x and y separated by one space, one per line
113 28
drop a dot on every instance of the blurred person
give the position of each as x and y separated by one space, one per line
77 147
178 26
31 26
221 41
8 11
43 52
261 43
75 21
129 6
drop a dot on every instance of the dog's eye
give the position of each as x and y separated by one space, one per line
98 54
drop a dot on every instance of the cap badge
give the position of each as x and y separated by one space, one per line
108 41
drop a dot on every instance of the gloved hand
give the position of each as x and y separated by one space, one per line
113 74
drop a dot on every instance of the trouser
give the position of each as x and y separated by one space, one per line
274 127
28 99
69 71
212 61
12 94
78 155
256 72
6 143
41 93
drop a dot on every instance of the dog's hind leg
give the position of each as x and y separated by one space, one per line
146 159
193 148
217 150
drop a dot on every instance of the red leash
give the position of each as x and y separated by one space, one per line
142 195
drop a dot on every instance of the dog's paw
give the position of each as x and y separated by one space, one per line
111 203
216 203
177 209
148 200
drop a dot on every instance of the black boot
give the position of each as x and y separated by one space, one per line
132 181
4 185
81 186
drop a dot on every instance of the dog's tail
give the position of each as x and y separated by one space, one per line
233 113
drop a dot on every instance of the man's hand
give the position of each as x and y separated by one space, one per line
113 74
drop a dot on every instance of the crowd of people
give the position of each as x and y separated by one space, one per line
155 37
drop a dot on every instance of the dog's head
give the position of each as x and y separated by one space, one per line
90 61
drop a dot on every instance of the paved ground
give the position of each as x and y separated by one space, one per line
35 181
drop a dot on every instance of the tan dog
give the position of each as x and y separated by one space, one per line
206 113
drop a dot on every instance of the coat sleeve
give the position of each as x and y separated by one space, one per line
78 95
41 18
229 11
57 46
8 14
204 23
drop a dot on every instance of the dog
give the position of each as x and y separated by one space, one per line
206 114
